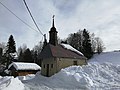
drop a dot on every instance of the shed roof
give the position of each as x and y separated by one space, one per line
60 51
24 66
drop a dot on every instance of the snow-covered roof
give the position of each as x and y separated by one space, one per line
25 66
67 46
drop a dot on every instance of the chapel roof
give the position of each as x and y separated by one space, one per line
60 51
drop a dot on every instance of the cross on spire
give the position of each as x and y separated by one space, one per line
53 20
53 16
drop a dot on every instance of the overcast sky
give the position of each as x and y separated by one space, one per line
101 17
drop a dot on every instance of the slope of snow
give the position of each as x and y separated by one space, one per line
90 77
67 46
93 76
111 57
25 66
11 83
4 82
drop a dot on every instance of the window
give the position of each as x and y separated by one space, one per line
51 65
74 62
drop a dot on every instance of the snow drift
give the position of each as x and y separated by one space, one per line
11 83
90 77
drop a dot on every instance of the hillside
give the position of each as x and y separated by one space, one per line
111 57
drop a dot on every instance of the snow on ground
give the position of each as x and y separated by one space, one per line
93 76
27 77
11 83
102 73
112 57
4 82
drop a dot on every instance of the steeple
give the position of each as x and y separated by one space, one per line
53 34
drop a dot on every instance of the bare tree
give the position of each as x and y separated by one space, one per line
21 51
76 40
36 51
2 45
99 45
24 47
93 42
38 48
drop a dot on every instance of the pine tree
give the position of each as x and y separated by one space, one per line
87 47
11 48
27 56
20 56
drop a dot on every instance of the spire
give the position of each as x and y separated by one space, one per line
53 21
53 34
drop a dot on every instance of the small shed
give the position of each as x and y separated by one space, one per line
22 69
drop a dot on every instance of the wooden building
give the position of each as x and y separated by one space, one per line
22 69
54 56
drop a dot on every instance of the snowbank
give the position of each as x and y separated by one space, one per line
4 81
27 77
90 77
11 83
111 57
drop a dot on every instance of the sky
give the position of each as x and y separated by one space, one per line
101 17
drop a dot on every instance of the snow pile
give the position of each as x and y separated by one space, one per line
93 76
25 66
4 81
27 77
90 77
11 83
67 46
111 57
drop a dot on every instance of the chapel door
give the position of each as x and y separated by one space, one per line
47 70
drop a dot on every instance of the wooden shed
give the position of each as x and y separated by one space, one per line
22 69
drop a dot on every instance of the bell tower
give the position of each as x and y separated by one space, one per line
53 34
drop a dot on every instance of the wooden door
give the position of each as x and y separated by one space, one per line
47 70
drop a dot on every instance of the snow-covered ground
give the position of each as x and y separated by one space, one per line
91 77
102 73
11 83
112 57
